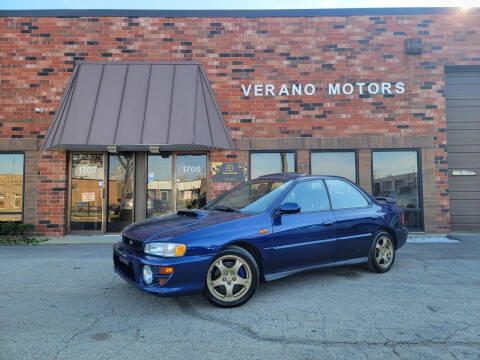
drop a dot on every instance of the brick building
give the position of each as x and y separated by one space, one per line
112 116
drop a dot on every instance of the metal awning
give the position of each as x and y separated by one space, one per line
135 105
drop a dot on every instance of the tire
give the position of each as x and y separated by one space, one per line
381 255
232 278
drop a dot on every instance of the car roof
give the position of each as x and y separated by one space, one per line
295 176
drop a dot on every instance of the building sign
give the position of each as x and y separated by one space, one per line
86 197
358 88
187 195
229 172
464 172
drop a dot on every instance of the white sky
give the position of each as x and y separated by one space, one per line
222 4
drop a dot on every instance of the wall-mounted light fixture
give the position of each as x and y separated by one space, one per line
155 149
38 110
112 148
413 46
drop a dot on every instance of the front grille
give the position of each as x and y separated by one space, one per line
125 269
132 243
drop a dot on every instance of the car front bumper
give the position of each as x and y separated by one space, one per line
188 271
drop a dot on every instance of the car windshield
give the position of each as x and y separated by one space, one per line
250 197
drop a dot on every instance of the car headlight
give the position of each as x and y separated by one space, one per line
165 249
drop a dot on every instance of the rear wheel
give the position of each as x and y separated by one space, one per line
232 278
382 252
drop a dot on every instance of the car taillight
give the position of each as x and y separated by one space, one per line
403 218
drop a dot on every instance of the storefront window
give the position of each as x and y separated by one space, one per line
191 181
337 163
271 162
395 174
159 188
11 187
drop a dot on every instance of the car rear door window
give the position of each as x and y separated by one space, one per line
344 196
310 195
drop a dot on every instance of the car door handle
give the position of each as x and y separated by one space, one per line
327 223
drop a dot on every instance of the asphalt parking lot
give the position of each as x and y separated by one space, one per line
65 302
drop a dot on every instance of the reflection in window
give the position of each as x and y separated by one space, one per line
86 196
310 195
11 187
337 163
252 196
395 174
159 188
191 181
120 191
269 163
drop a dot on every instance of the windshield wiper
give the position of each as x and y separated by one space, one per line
225 208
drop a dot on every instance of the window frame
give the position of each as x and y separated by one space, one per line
355 152
359 190
292 151
418 151
23 186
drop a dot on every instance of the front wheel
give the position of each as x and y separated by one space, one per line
232 278
382 252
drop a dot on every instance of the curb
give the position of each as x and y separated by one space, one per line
80 240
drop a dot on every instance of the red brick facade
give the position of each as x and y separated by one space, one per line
37 55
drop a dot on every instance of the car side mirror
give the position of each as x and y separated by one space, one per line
289 208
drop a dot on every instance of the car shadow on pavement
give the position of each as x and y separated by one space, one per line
131 296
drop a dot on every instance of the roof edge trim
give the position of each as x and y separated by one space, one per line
233 13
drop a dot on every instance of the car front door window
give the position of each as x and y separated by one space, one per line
310 196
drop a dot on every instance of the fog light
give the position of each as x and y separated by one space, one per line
147 274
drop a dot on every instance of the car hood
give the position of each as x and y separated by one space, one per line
169 226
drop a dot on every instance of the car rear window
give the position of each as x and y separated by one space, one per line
344 196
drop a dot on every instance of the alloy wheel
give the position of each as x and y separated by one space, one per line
384 251
229 278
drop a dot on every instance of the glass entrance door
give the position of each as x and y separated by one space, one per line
159 188
101 200
191 181
87 192
120 191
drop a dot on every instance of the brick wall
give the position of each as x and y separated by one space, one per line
38 54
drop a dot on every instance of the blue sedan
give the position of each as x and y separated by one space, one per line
261 230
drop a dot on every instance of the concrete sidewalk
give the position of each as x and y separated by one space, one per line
111 239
